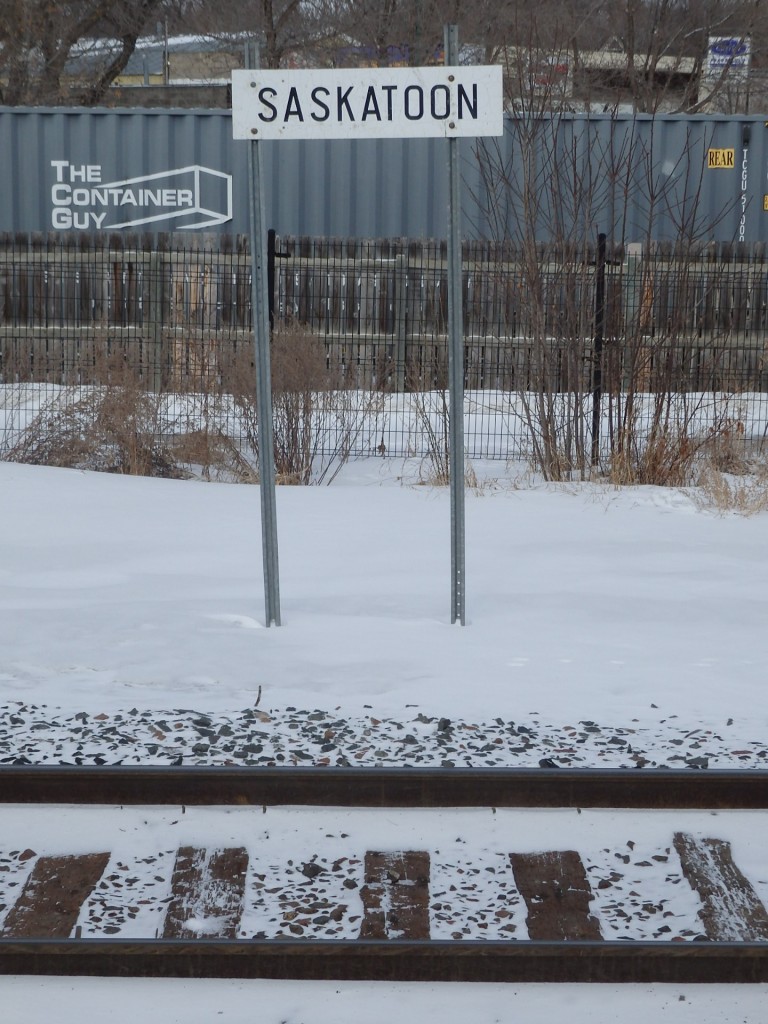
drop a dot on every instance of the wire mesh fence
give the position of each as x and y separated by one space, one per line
569 355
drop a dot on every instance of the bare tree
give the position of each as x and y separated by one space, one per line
291 31
411 31
649 53
664 46
54 53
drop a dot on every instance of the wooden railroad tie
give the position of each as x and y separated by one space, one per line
396 896
51 899
208 890
731 909
557 894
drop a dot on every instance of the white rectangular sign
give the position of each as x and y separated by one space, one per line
731 53
368 103
728 50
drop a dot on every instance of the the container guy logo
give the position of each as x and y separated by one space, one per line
190 197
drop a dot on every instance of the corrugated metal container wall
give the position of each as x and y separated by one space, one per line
76 169
366 189
62 168
634 178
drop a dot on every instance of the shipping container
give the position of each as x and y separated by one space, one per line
564 178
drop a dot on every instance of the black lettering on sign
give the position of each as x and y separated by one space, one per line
371 106
293 106
722 159
342 103
465 100
414 111
326 111
440 102
263 94
389 89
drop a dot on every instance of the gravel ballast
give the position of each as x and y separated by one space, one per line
43 734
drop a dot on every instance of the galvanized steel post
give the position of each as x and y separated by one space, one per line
455 358
261 334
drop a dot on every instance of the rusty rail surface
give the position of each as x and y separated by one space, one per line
651 789
492 961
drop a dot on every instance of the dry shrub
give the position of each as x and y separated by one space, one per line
15 401
745 494
316 419
733 476
426 381
118 426
668 450
213 454
727 451
113 427
431 409
666 459
728 477
301 383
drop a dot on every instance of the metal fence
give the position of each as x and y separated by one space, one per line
360 341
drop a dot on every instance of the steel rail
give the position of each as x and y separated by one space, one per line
651 789
493 961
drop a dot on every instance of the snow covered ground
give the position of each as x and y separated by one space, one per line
605 627
157 1001
625 608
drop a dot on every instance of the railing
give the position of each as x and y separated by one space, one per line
174 311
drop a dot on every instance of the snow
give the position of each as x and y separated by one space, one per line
635 609
583 602
63 1000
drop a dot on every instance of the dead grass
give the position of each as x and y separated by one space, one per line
431 412
317 419
744 494
117 425
664 459
111 428
210 453
672 450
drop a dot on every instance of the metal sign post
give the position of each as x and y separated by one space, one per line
455 359
261 333
450 102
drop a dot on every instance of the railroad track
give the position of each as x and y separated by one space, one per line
649 789
533 865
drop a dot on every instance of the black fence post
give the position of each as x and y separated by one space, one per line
272 255
597 353
271 277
